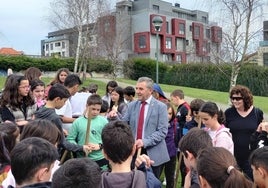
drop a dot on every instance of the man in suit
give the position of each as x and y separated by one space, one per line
149 129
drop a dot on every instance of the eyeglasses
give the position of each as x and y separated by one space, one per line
25 87
236 98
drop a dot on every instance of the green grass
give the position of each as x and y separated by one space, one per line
215 96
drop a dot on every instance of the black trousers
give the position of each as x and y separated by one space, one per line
169 169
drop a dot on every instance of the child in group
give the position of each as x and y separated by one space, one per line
78 173
93 88
109 88
190 145
213 118
194 118
33 73
118 107
38 91
79 101
129 94
119 148
9 135
32 161
57 96
217 168
72 83
259 138
104 108
77 134
60 77
159 94
40 128
17 103
172 150
177 99
259 164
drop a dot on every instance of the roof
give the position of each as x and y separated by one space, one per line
10 51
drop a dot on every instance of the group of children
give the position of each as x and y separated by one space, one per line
95 130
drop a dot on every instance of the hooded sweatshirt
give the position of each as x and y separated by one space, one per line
222 138
133 179
50 114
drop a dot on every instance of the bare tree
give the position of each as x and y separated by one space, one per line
114 39
74 14
240 17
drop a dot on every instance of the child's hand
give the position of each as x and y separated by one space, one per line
112 113
65 132
144 158
87 149
187 180
264 126
188 118
94 147
21 123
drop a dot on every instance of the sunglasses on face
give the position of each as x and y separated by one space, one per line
236 98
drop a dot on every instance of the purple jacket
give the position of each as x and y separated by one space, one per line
170 138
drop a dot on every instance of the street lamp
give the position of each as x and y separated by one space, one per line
157 23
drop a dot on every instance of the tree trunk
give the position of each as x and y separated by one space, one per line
78 49
235 71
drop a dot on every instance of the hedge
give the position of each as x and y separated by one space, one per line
18 63
200 75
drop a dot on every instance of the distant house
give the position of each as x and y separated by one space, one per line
10 51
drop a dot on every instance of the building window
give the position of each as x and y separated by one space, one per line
265 59
51 46
156 8
178 58
63 45
46 47
204 19
190 28
219 34
142 41
167 27
167 57
57 44
196 31
181 28
208 33
208 47
168 43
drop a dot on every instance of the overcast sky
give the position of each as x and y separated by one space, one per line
23 23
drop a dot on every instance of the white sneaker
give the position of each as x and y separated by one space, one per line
164 182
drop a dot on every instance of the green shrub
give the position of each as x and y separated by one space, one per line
200 75
100 65
18 63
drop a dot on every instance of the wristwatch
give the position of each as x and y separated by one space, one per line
100 145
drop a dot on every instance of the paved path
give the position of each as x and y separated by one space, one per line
188 99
